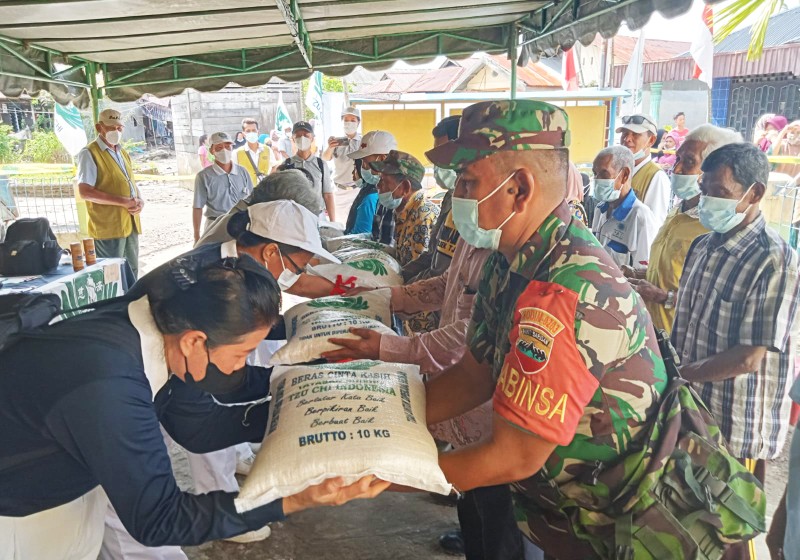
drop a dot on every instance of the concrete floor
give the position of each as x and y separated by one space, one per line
390 527
396 526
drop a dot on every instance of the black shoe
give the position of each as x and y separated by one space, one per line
452 542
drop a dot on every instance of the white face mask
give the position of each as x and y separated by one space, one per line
113 137
223 156
350 127
303 143
287 278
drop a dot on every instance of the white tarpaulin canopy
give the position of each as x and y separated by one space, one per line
125 48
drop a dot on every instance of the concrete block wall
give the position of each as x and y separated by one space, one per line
195 113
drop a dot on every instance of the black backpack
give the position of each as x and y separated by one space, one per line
21 313
30 247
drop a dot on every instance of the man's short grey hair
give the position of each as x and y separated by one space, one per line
291 184
714 136
621 157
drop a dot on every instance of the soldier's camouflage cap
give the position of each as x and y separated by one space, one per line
401 163
494 126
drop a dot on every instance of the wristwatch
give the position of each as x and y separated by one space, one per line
670 301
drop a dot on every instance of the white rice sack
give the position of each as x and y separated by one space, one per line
334 243
365 244
352 255
368 273
328 230
309 325
350 420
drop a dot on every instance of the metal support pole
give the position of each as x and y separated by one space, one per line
612 118
94 91
512 56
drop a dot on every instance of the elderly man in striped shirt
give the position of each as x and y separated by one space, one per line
736 312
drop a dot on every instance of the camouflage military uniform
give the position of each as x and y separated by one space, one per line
576 360
413 226
568 340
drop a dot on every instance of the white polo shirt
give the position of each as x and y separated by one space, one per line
628 233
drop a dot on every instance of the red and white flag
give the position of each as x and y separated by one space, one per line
569 71
702 49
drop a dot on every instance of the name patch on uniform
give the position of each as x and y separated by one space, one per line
537 332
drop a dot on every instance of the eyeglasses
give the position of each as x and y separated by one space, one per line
297 269
636 119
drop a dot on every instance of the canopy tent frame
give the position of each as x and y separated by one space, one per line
262 67
164 53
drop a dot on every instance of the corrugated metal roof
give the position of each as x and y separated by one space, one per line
534 74
775 60
783 28
654 49
449 77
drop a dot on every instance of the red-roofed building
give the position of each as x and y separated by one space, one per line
476 74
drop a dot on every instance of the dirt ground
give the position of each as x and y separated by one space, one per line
393 526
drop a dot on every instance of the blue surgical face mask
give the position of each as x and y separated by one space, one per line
604 190
445 178
719 214
387 200
640 154
465 217
251 137
685 186
369 177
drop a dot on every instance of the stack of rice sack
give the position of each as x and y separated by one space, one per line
310 324
329 230
341 420
364 263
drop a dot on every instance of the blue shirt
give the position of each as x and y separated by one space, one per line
365 213
628 233
219 191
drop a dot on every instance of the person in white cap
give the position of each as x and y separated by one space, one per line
283 236
375 146
113 201
338 150
650 183
219 187
361 216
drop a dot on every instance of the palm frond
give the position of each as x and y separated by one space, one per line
732 16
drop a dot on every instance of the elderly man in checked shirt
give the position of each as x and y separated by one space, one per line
736 313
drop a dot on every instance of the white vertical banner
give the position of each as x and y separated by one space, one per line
282 118
314 94
633 81
68 126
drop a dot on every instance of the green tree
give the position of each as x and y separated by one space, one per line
43 105
44 147
8 145
733 16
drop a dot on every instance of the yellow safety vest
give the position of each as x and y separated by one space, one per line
641 181
107 221
243 159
